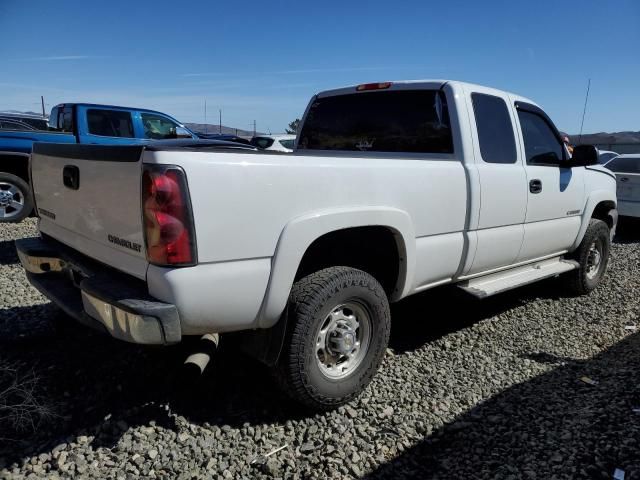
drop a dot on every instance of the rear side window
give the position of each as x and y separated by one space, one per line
262 142
411 121
110 123
541 145
287 144
495 131
624 165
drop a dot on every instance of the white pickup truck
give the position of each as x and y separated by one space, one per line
393 188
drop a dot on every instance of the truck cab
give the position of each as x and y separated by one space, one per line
111 125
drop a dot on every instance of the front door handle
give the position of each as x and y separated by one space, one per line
624 179
535 186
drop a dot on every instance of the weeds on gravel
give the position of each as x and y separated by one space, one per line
21 411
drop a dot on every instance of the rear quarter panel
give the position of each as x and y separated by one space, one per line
244 204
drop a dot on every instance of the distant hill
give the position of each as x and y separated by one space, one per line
209 128
603 138
39 114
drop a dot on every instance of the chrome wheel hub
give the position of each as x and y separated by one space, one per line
11 200
594 259
343 340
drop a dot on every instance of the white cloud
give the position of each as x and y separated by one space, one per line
58 58
299 71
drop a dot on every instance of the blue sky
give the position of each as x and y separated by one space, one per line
263 60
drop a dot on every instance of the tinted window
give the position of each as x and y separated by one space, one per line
10 125
262 142
383 121
287 144
158 127
540 142
495 132
605 157
37 123
110 123
624 165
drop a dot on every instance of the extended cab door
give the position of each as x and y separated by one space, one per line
105 125
503 198
555 193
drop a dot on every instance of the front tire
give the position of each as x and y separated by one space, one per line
592 256
16 202
338 330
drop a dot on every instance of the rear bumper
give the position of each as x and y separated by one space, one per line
96 295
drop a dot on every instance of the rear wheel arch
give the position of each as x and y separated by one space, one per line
301 233
16 164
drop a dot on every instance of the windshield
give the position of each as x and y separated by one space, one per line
389 121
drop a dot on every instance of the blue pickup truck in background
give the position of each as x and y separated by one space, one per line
75 123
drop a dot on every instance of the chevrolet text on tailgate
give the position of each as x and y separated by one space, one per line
393 188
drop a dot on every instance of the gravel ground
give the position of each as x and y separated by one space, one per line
468 389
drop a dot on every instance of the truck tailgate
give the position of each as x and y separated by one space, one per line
89 198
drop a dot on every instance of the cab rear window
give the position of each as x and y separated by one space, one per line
411 121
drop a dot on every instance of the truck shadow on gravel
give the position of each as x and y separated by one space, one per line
8 254
99 387
628 230
433 314
553 426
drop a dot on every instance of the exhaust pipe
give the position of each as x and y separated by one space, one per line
196 363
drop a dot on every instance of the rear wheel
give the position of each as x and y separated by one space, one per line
15 198
338 331
592 256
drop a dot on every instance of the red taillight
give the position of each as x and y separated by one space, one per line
168 225
373 86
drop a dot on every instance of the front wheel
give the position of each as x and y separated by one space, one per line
15 199
592 256
338 330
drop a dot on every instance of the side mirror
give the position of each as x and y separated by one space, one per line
584 155
182 133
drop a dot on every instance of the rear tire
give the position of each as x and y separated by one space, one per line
16 202
337 334
592 256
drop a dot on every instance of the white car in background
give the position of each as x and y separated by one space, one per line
274 143
627 170
605 156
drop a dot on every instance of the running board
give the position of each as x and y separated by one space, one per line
493 283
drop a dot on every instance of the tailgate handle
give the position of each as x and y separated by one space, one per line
71 177
624 179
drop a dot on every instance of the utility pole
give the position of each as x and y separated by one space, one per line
205 115
220 111
44 115
254 128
